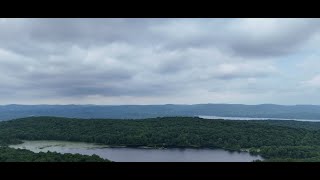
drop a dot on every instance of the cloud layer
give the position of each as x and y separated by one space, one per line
152 61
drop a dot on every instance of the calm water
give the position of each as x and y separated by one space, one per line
249 118
139 154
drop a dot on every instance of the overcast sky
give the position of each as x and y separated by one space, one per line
159 61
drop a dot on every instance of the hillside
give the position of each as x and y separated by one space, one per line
272 141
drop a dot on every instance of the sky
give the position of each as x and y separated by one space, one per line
159 61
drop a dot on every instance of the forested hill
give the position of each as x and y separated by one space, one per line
273 141
169 131
8 112
22 155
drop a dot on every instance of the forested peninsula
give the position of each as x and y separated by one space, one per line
273 140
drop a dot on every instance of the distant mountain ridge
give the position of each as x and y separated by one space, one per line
13 111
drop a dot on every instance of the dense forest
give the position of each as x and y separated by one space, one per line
284 141
294 124
22 155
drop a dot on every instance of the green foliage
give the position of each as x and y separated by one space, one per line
168 132
293 124
21 155
271 140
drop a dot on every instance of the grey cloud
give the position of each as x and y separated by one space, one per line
91 31
248 38
263 37
285 37
60 58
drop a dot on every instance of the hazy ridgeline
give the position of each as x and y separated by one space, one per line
150 111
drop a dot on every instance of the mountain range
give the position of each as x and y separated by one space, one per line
14 111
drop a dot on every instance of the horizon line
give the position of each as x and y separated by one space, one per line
157 104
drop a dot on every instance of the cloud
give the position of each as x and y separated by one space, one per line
148 60
313 82
244 37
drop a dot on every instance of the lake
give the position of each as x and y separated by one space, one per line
123 154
